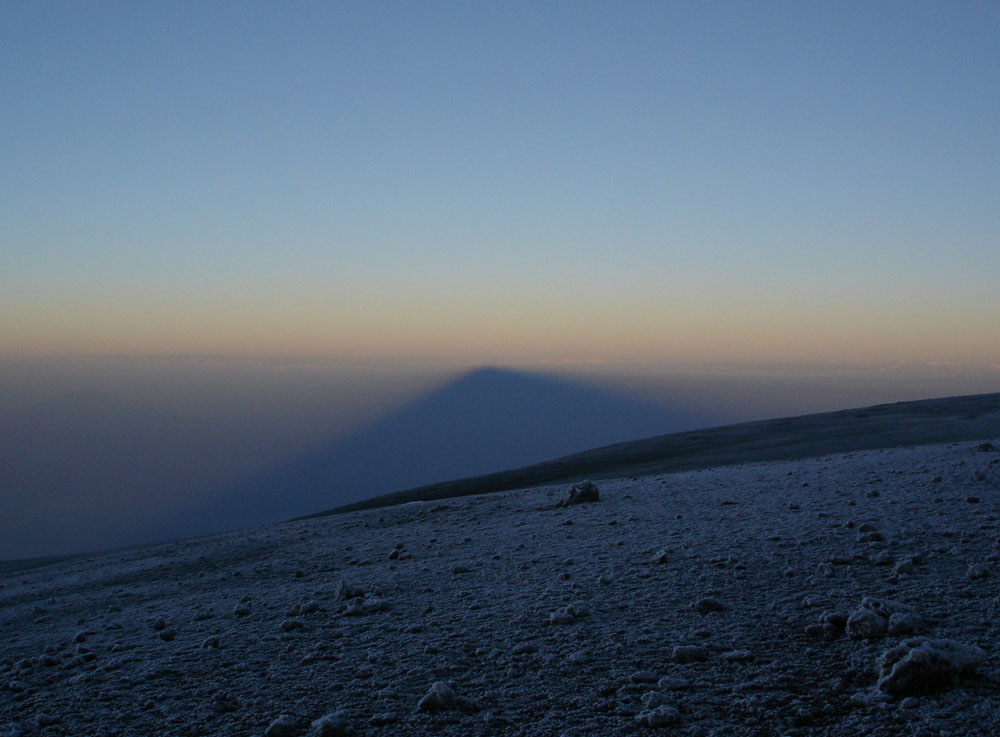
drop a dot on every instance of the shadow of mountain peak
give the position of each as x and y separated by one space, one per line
485 420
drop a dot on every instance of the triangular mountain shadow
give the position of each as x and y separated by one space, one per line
486 420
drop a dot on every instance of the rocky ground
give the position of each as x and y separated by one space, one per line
845 595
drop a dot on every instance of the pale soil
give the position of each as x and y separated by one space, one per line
479 576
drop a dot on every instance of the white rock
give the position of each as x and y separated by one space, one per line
922 665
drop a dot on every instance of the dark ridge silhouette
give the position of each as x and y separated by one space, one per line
950 419
485 421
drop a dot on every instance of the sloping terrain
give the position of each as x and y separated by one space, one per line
709 602
882 426
484 421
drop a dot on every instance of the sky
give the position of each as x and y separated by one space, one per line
508 183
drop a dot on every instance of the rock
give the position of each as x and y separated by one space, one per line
643 676
661 557
865 624
578 609
653 699
292 625
561 617
883 558
168 635
978 476
903 568
870 537
672 683
871 620
685 654
905 623
345 591
977 571
833 623
159 624
210 642
383 718
330 725
441 697
46 720
368 605
661 716
737 656
922 665
709 604
284 726
583 493
525 648
243 609
985 447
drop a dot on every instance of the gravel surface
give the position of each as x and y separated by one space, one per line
763 599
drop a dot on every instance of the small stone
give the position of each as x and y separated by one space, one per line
905 623
864 624
561 617
871 537
884 558
525 648
737 656
293 625
921 665
653 699
210 643
643 676
709 604
383 718
330 725
661 557
46 720
578 609
685 654
159 624
583 493
441 697
345 591
661 716
977 571
168 635
284 726
903 568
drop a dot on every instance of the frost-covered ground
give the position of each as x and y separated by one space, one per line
694 599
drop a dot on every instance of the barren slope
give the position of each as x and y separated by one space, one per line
544 620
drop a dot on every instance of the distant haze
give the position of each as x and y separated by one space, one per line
102 453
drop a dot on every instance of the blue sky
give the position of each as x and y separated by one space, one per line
502 182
